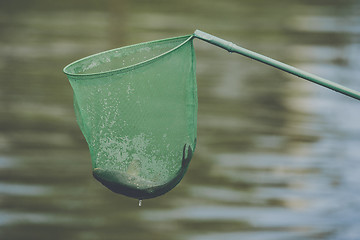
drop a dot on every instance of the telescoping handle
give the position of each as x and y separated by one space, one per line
231 47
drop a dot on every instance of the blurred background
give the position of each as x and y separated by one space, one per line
277 157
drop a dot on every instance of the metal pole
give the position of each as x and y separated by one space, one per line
231 47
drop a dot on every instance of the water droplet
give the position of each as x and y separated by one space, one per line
140 203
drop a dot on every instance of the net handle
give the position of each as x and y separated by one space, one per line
231 47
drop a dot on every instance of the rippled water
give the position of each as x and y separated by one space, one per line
277 157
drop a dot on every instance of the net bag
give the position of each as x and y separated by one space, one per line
137 109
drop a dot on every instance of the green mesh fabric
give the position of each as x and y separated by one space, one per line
137 109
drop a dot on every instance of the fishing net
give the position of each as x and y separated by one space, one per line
137 109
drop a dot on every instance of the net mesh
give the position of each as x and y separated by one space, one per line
137 109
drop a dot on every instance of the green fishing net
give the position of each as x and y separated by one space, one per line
137 109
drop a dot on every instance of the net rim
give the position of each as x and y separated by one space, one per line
131 67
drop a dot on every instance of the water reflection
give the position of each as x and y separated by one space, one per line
277 157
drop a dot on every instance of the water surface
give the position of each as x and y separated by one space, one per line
277 157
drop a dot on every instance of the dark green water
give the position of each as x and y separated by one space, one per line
277 157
